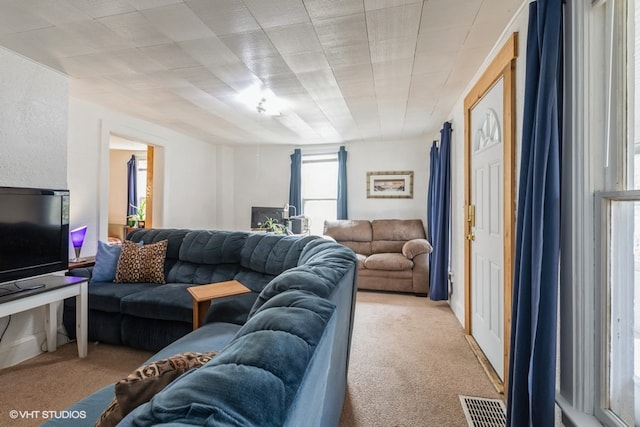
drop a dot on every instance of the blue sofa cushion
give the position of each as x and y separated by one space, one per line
253 381
272 253
212 247
208 257
107 256
107 296
166 302
320 275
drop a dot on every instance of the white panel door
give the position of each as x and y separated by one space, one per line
487 253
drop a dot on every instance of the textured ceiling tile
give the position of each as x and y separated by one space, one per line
135 28
60 43
15 19
224 16
233 73
99 8
264 67
27 44
393 70
148 4
274 13
170 55
53 12
138 61
437 14
354 54
96 35
342 31
394 22
292 39
308 61
444 40
381 4
285 86
345 74
250 45
86 66
323 9
177 22
209 51
425 63
393 49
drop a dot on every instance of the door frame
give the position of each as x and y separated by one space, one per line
503 66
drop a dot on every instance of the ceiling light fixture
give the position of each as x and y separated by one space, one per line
264 101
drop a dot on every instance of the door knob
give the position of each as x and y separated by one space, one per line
471 236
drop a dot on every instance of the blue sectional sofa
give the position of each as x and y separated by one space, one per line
283 348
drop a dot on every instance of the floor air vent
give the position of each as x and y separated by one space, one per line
481 412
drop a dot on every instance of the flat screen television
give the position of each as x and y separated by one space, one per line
34 232
259 214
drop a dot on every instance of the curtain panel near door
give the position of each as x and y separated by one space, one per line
295 184
532 367
440 236
433 186
342 184
132 186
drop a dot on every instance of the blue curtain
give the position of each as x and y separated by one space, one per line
132 186
342 184
532 367
295 185
440 236
433 186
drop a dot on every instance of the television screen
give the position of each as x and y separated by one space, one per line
259 214
34 232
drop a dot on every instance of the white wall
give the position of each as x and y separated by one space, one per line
186 187
518 24
408 155
262 173
33 148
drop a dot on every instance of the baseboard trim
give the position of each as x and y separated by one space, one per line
484 362
21 349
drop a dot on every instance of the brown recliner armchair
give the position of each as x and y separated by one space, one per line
393 254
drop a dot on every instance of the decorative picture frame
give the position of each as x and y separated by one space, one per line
390 185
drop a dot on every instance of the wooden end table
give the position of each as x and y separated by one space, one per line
203 294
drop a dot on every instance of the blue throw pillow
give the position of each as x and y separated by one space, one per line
106 261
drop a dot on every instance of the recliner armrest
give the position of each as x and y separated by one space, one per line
415 247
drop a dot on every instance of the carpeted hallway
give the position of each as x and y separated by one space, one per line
409 363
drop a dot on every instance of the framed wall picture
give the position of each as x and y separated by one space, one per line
390 185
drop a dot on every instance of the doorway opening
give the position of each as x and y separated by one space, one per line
120 219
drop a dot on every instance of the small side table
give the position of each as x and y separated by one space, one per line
82 262
203 294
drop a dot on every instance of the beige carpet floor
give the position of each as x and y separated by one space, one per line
409 363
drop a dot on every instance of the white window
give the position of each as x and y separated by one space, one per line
319 189
619 209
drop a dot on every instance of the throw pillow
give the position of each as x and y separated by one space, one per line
107 256
143 383
141 264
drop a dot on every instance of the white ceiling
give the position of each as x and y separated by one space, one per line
348 70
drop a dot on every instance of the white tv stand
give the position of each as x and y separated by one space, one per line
56 289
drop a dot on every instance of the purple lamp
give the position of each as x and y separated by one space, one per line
77 239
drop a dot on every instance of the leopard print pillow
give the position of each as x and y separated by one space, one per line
143 383
141 264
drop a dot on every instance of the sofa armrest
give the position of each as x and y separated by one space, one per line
415 247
